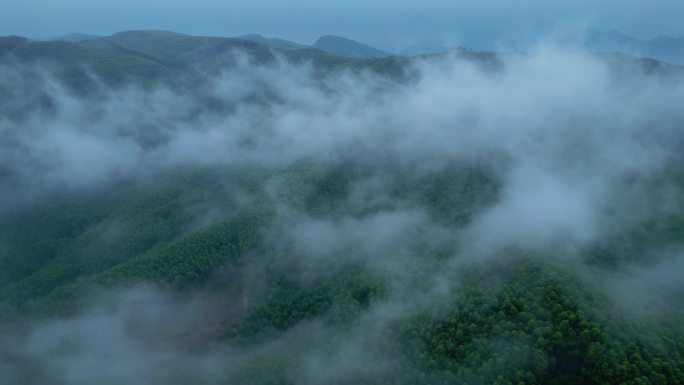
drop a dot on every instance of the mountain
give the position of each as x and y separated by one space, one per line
9 43
335 45
76 37
147 57
663 48
182 209
338 45
273 42
81 67
173 48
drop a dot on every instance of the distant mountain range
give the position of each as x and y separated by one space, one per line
663 48
76 37
331 44
273 42
145 57
149 54
336 45
345 47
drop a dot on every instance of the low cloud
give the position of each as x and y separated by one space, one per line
572 152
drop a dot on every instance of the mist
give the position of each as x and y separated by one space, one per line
570 152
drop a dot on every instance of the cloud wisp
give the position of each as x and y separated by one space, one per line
567 152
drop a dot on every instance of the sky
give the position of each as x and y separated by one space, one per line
390 25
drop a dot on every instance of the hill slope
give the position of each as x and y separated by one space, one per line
202 210
662 48
76 37
345 47
273 42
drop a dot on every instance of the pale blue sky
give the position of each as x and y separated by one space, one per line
387 24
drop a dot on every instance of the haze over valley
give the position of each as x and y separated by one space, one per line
198 209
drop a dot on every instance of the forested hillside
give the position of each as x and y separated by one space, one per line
203 210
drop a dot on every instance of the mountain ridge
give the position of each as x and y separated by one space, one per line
664 48
346 47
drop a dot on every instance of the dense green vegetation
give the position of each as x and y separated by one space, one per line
542 326
306 280
522 321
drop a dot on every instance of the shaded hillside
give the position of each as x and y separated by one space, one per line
203 210
345 47
76 37
155 57
664 48
273 42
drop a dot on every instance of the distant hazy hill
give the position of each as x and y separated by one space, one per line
345 47
172 47
335 45
75 37
150 57
74 62
273 42
8 43
662 48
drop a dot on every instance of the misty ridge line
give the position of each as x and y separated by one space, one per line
568 150
252 90
556 148
663 48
